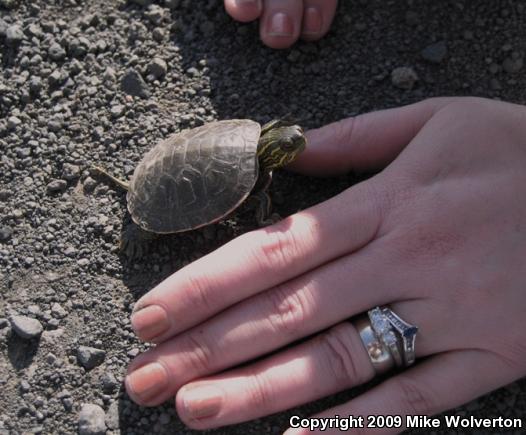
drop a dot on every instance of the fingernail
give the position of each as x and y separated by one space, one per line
202 401
281 25
312 21
150 322
249 3
147 381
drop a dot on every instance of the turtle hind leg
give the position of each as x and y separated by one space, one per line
134 241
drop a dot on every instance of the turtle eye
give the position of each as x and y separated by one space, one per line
287 145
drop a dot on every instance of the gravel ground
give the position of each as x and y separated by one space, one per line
86 82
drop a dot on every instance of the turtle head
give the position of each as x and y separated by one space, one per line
279 144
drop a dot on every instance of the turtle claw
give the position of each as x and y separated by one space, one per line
273 219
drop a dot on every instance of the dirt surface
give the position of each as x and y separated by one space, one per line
86 82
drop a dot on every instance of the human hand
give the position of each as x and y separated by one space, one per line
439 235
282 22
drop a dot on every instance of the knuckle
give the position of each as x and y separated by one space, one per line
275 250
260 393
413 397
288 309
197 353
338 355
198 295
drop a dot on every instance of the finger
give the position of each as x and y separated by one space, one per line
244 10
319 367
280 23
365 142
277 317
317 18
258 261
425 389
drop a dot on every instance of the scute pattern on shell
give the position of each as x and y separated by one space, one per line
195 177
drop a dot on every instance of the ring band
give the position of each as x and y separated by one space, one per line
380 357
406 331
384 331
389 340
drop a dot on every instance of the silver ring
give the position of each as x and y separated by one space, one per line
380 357
406 331
384 331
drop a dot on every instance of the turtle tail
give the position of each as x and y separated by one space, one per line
100 171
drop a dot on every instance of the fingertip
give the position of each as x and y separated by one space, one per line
244 10
279 30
280 23
317 18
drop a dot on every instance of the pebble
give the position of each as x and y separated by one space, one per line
58 311
90 357
5 233
13 122
435 53
56 185
132 83
26 327
117 110
157 67
91 420
512 65
89 184
155 14
56 52
35 84
112 416
70 172
109 382
14 35
404 77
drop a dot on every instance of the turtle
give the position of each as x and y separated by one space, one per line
201 175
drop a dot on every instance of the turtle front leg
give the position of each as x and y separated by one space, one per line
264 208
264 217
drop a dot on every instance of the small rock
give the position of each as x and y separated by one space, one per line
56 185
404 77
157 67
109 382
58 311
117 110
435 53
56 52
26 327
132 83
83 262
5 233
164 418
70 172
90 357
512 65
112 416
89 184
8 4
14 35
13 122
24 386
91 420
158 34
155 14
35 85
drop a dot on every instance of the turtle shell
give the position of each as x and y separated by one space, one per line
195 177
